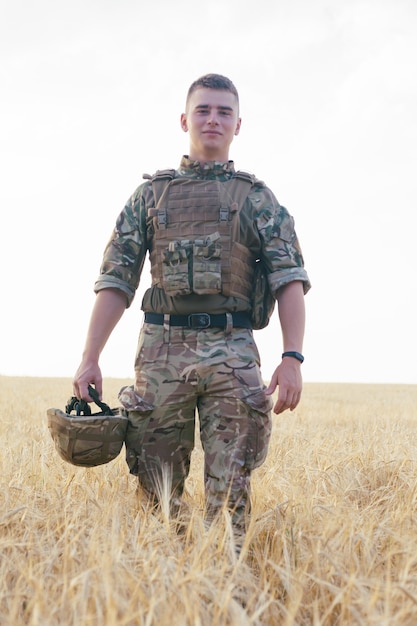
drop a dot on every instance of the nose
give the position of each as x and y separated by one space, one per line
212 118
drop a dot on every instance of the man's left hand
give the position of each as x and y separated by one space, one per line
287 377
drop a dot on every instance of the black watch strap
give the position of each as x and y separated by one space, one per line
295 355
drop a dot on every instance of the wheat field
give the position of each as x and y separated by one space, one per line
332 538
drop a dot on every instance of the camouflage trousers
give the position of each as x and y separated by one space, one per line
178 371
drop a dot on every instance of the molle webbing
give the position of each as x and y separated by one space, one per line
196 211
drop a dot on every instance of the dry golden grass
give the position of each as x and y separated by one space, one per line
333 536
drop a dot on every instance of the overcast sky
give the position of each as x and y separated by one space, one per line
92 92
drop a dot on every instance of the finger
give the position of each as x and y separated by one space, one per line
297 401
293 400
272 386
281 403
99 388
76 389
287 399
84 395
280 407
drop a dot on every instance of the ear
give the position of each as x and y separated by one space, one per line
183 122
238 125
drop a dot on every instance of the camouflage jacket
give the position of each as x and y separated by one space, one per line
266 228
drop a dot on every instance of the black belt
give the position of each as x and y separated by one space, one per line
200 320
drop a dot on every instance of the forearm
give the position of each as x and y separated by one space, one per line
107 311
288 373
291 310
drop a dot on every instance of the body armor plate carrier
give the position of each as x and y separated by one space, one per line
195 245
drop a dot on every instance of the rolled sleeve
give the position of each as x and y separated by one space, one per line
280 248
280 279
111 282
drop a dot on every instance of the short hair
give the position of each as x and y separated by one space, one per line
213 81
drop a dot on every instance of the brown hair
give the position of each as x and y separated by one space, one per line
213 81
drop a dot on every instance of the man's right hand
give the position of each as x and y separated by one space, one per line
87 374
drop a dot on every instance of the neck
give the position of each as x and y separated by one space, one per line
208 158
206 167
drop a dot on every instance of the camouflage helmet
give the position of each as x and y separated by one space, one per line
85 439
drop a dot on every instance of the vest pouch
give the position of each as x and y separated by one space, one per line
262 301
176 269
207 274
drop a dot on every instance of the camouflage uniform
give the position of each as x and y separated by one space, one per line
214 370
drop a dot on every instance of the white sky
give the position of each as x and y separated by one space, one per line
91 94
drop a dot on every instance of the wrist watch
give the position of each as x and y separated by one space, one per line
294 355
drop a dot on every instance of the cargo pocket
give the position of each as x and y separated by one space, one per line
259 407
176 269
138 412
207 276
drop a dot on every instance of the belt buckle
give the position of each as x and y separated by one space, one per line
199 320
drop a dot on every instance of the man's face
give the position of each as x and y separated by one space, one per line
212 119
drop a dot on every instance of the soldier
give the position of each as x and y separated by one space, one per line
204 226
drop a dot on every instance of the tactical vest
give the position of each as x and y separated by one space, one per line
194 247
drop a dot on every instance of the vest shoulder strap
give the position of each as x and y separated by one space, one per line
160 180
250 178
239 186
